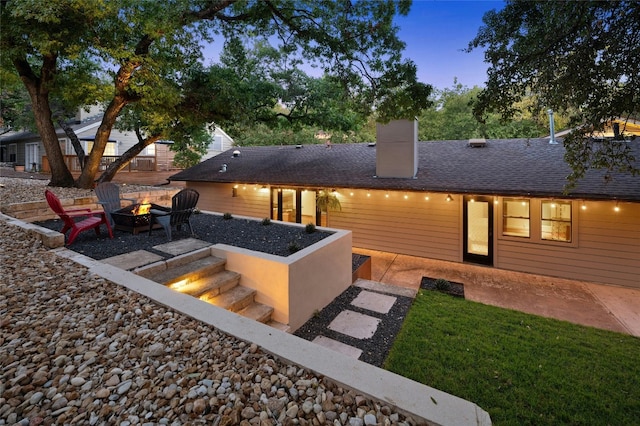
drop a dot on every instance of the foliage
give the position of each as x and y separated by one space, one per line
442 284
327 200
521 368
266 221
142 59
294 246
451 118
310 228
577 58
227 216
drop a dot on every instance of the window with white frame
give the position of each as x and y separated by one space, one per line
556 221
516 218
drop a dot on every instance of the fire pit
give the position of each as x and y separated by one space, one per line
136 217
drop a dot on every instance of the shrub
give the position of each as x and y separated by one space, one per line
442 284
310 228
227 216
266 221
294 247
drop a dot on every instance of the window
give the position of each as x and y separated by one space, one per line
13 153
516 218
556 221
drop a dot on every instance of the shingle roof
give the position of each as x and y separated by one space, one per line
528 167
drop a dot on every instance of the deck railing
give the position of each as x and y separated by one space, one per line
139 163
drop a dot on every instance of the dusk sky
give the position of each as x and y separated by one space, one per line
436 31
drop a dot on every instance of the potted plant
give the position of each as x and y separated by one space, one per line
327 200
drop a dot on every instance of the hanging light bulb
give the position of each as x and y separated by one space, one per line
616 208
449 198
583 206
426 198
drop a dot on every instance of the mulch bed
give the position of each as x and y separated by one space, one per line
455 289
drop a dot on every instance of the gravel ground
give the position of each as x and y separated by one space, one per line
78 349
250 234
374 349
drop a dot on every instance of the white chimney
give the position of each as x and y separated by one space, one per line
397 149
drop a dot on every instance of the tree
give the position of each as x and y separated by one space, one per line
144 47
451 118
579 58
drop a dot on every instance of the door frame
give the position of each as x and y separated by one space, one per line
474 257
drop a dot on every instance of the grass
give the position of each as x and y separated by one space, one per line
521 368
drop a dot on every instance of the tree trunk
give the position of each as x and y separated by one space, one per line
87 177
77 146
37 86
125 158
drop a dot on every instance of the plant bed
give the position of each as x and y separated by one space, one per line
443 286
361 266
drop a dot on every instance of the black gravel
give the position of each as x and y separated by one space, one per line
277 239
374 349
453 288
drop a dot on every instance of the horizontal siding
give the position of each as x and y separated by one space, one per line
412 226
607 251
218 197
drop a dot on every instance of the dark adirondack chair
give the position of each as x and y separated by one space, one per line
88 219
108 194
183 204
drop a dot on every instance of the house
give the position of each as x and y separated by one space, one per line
26 148
499 203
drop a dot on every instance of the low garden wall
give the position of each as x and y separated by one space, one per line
39 210
298 285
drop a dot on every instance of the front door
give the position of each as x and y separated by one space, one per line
478 230
31 157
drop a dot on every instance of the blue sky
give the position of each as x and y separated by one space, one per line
436 31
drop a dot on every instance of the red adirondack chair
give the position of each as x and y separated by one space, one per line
93 219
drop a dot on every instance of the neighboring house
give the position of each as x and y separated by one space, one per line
220 142
26 148
501 203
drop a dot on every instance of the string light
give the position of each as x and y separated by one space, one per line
406 197
386 195
426 198
616 208
583 206
368 194
449 198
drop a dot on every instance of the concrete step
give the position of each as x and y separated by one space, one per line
210 286
233 300
280 326
257 312
190 272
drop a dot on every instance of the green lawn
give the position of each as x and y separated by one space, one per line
522 369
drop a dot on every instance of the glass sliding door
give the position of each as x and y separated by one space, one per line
294 205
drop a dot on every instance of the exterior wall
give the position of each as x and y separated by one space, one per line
605 247
414 226
250 200
606 250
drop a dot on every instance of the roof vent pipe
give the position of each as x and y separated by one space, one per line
552 137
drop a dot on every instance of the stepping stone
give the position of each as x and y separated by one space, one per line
374 301
334 345
355 324
176 248
135 259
